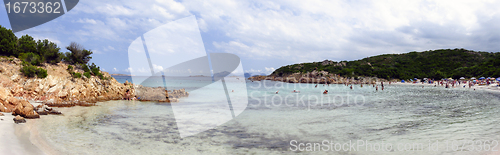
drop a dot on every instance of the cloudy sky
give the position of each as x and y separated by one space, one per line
267 35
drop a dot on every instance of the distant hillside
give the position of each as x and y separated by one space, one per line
434 64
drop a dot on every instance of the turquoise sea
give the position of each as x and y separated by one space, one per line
412 119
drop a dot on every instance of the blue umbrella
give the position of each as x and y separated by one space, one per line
498 79
402 81
481 78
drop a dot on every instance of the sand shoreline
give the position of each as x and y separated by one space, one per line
16 138
491 88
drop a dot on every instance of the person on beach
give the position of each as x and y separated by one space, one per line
361 85
127 95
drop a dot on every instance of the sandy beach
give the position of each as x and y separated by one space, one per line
15 138
491 87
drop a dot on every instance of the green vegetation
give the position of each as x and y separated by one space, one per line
77 54
434 64
86 74
30 71
35 53
76 75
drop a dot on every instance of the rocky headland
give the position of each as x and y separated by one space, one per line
61 89
319 77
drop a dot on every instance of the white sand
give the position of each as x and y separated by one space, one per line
15 138
492 87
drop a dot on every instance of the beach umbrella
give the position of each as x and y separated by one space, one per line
462 78
481 78
473 78
498 79
402 81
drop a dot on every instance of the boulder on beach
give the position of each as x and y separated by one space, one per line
25 109
18 119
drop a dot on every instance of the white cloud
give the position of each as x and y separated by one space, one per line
291 31
253 71
114 69
340 29
270 69
87 21
130 70
157 68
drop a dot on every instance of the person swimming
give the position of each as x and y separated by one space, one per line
351 86
325 92
277 92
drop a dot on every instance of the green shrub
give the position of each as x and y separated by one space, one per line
85 68
77 54
86 74
70 68
31 58
76 75
28 70
100 76
49 51
41 73
31 71
26 44
94 69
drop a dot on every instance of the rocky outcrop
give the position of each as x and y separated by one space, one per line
25 109
45 110
158 94
59 88
319 77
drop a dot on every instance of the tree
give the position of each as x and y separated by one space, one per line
49 52
77 54
26 44
8 42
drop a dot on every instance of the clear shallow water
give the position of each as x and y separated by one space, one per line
398 115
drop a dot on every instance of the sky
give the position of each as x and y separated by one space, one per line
269 34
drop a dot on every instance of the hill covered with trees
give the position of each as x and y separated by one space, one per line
34 53
434 64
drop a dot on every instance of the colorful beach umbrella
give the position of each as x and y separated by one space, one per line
481 78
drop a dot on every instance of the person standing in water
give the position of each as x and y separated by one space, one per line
351 86
376 88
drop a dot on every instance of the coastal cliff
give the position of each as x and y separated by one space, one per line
61 89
